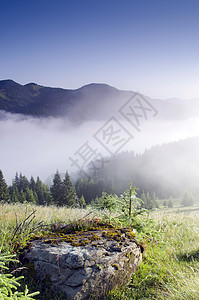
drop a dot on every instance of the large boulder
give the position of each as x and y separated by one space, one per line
86 264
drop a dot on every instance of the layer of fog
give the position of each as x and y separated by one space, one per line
41 146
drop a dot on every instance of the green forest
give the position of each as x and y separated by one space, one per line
62 192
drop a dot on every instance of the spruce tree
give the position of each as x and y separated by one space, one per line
82 202
21 182
25 183
30 196
57 189
14 193
35 197
69 193
17 181
39 191
22 197
43 193
4 193
32 184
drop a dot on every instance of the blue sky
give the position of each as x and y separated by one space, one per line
147 46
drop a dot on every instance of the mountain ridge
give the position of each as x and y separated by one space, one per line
38 100
93 101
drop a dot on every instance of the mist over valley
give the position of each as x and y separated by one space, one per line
42 128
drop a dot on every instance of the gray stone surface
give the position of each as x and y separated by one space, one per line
89 271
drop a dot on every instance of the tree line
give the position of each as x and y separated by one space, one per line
63 193
22 190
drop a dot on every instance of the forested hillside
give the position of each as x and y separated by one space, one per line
166 170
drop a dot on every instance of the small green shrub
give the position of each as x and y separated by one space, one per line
8 283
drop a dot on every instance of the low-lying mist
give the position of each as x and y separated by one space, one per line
40 146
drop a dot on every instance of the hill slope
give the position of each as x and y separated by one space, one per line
169 169
90 102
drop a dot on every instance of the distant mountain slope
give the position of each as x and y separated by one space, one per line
167 169
33 99
90 102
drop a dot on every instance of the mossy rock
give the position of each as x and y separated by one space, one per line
86 264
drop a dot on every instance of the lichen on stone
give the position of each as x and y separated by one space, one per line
84 263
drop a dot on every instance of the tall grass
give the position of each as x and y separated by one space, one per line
12 215
170 267
47 214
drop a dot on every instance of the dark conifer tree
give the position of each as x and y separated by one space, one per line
4 193
57 189
30 196
32 184
69 193
22 197
14 193
21 182
25 183
17 181
43 193
35 197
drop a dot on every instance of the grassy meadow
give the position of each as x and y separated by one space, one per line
170 267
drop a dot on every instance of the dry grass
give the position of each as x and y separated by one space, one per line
47 214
